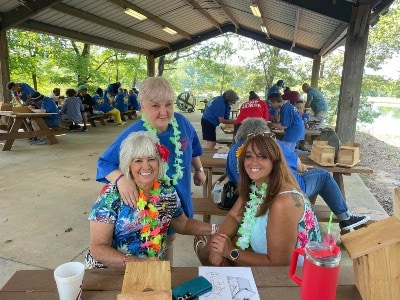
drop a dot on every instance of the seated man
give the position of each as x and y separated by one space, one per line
46 105
73 110
315 182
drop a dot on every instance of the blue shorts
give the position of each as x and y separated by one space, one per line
208 130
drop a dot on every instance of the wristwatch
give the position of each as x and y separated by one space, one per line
201 169
234 255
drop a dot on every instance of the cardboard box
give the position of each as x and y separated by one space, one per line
322 153
349 154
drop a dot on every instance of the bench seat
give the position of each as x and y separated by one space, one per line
130 114
101 118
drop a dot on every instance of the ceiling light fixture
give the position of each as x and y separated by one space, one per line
135 14
264 29
255 10
169 30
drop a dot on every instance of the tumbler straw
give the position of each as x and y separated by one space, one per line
328 239
330 222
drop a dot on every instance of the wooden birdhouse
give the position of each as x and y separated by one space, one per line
147 280
349 154
322 153
375 253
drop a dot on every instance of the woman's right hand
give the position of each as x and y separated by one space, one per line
128 191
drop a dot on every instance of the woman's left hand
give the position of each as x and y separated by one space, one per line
199 178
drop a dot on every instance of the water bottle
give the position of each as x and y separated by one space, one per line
217 192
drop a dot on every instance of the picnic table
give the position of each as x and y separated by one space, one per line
271 282
18 128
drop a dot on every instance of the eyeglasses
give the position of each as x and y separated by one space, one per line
263 134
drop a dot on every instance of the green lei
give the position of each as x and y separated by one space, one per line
178 152
249 218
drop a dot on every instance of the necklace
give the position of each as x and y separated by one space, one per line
178 152
249 218
148 214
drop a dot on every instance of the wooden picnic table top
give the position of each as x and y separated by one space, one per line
271 282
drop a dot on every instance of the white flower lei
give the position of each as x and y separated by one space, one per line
249 218
178 152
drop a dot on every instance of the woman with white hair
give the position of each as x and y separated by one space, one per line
120 233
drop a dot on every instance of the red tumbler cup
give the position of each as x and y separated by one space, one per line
320 271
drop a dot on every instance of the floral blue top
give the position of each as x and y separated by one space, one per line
110 208
307 229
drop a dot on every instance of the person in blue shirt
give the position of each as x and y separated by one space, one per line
174 132
276 88
317 102
121 101
133 104
21 92
289 120
127 229
312 182
102 104
46 105
217 111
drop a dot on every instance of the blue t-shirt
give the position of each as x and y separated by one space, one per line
101 103
133 102
291 158
26 90
318 102
291 119
272 110
216 108
191 147
121 102
50 107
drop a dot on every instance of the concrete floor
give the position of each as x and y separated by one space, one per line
46 192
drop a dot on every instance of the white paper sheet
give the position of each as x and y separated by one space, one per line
236 283
220 155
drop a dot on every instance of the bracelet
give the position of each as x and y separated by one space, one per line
125 259
118 178
214 228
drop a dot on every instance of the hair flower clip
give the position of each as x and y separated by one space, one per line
239 150
163 151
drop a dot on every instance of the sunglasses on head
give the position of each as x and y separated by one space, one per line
263 134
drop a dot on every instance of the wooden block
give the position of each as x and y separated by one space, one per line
396 202
349 154
322 153
159 295
5 106
147 280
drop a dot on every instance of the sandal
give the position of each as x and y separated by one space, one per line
198 240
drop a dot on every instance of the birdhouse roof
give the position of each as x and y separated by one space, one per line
372 238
